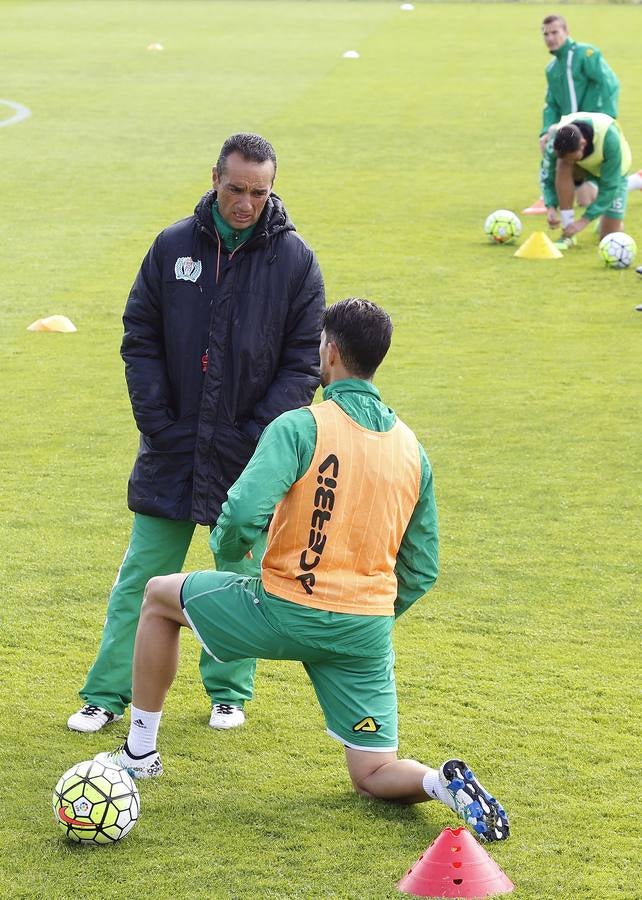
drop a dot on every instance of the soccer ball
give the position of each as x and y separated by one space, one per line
96 804
617 250
502 226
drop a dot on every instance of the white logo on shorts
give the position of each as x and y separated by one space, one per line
188 269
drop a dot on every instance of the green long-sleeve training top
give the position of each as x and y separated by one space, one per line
609 178
284 454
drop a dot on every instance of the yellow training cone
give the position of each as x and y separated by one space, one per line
53 323
538 246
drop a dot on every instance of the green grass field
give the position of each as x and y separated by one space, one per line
522 378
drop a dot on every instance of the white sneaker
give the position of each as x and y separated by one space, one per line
226 716
148 766
91 718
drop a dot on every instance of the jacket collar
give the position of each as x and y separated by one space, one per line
350 386
273 220
563 51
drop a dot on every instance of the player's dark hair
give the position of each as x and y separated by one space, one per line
361 331
567 140
252 147
554 17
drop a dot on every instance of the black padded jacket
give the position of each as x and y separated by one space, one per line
216 346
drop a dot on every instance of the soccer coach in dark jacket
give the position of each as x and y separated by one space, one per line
221 336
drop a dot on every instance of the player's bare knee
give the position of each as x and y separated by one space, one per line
586 194
363 773
365 788
162 598
154 599
359 784
361 790
152 589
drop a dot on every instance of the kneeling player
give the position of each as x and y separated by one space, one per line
352 544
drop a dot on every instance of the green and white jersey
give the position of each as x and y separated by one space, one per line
579 78
606 162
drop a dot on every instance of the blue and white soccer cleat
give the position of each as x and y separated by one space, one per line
473 803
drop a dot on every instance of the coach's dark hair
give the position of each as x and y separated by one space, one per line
361 331
567 140
554 17
251 147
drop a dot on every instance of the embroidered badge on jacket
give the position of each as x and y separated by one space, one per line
188 269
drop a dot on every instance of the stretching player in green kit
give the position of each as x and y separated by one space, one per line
352 545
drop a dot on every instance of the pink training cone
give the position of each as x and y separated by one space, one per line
455 865
537 208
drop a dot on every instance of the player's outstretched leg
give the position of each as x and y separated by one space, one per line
407 781
472 802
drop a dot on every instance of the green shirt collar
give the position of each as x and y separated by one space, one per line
232 238
562 51
352 385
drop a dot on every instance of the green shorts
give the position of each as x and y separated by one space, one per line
617 206
349 658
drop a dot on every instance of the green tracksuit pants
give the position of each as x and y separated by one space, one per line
159 547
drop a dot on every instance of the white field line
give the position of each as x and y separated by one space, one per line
22 112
